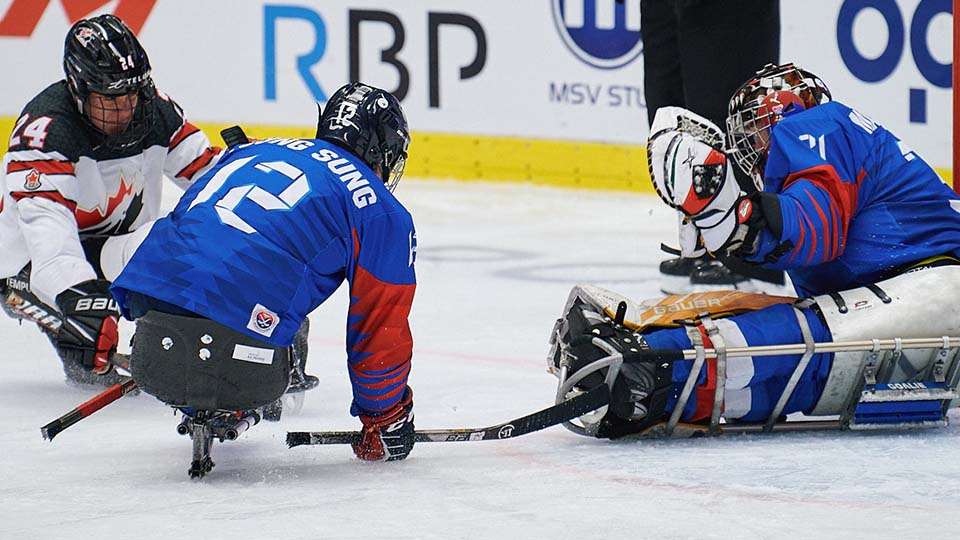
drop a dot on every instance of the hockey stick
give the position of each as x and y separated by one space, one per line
87 408
551 416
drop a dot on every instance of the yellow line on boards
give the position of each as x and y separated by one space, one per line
574 164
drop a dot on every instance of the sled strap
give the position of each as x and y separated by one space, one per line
797 372
701 357
713 333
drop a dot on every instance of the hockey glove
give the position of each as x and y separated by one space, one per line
389 436
641 387
692 174
88 335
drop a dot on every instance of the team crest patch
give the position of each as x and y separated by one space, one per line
84 34
32 183
263 321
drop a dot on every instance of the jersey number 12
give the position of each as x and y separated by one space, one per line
226 205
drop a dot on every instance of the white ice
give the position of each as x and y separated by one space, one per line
494 267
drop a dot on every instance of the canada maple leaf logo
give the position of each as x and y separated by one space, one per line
89 218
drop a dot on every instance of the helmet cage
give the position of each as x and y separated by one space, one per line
102 55
750 118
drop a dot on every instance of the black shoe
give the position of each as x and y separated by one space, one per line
302 383
675 273
715 276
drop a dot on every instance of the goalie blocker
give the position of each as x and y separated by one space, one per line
879 356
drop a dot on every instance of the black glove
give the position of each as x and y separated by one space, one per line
88 335
643 384
389 436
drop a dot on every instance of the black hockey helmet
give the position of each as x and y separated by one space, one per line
102 55
370 123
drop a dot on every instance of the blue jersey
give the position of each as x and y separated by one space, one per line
271 232
856 205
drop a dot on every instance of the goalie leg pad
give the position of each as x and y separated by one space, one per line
198 363
919 304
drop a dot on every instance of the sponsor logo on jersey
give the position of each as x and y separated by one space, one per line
602 33
32 183
263 321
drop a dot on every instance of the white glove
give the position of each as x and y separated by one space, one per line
693 176
689 239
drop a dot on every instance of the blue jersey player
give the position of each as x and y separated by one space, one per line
867 231
273 230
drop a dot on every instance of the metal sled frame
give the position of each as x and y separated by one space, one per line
945 371
204 426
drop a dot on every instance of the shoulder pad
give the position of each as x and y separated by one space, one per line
169 117
51 123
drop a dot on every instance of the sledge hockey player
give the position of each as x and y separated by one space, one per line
867 231
83 178
259 242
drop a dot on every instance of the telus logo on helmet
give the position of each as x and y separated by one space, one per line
602 33
23 16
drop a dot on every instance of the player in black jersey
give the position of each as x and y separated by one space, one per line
83 176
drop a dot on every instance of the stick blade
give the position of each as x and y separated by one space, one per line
297 438
51 430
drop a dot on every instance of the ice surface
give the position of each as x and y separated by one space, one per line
494 267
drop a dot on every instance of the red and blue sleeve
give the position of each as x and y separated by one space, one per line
816 201
382 285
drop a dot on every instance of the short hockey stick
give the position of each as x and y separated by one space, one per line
88 407
551 416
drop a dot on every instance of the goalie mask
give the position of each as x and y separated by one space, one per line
762 102
370 123
108 74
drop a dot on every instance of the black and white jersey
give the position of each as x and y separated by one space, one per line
62 184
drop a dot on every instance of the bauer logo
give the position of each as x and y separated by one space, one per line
602 33
263 321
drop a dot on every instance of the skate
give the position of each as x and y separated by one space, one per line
675 273
300 382
715 276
